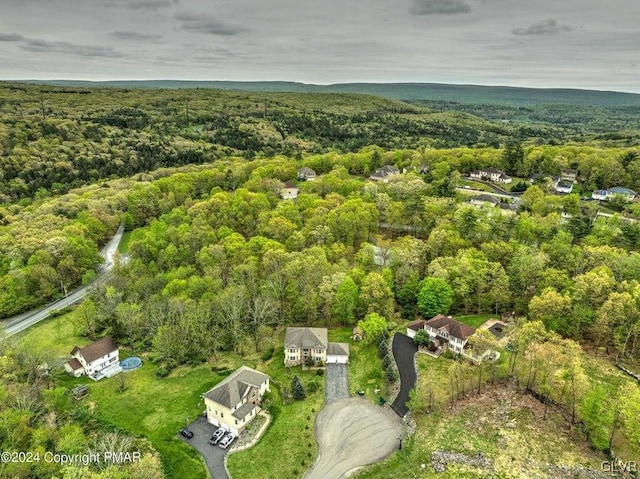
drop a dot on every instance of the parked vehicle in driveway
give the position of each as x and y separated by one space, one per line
215 439
186 432
227 440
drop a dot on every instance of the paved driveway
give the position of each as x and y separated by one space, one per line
213 455
404 350
337 382
351 433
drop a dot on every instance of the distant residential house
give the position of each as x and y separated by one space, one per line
569 175
383 174
563 186
303 343
98 360
610 193
444 331
484 200
235 401
289 191
357 334
306 174
491 174
423 169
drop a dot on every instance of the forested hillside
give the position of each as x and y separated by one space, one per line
56 138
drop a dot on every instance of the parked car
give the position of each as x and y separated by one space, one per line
215 439
186 432
228 439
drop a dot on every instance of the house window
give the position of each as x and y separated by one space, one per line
236 422
221 414
292 351
292 358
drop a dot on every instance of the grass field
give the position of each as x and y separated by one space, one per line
476 320
156 408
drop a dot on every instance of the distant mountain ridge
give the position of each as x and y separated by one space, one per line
466 94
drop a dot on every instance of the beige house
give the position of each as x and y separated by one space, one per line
491 174
98 360
289 191
383 174
306 174
303 343
235 401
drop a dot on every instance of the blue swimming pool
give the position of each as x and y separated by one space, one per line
131 363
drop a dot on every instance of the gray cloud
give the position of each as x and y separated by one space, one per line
10 37
136 36
151 5
38 45
442 7
203 23
544 27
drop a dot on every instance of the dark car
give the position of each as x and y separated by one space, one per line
186 432
215 439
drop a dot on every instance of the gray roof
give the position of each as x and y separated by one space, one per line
96 350
305 170
338 349
243 410
306 338
385 171
619 190
230 391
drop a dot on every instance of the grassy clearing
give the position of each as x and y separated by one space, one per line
476 320
57 335
365 369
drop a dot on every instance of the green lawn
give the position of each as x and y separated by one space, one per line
476 320
57 335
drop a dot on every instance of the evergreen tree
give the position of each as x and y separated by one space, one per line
297 390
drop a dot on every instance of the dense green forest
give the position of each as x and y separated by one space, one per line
195 177
56 138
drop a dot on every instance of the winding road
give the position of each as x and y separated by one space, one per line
23 321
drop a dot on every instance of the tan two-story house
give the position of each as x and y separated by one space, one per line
235 401
300 344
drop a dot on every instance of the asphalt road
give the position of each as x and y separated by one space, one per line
337 382
404 350
23 321
352 433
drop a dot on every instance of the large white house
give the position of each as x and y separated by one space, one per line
235 401
311 344
289 191
383 174
98 360
491 174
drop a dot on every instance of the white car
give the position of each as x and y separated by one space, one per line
227 440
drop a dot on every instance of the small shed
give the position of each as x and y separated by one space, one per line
80 391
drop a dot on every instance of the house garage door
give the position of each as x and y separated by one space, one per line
337 359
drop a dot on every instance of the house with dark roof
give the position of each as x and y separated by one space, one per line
444 331
303 345
235 401
383 174
98 360
306 174
289 191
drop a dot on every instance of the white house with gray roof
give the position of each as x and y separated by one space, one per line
303 343
235 401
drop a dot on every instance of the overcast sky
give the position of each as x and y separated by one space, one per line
539 43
